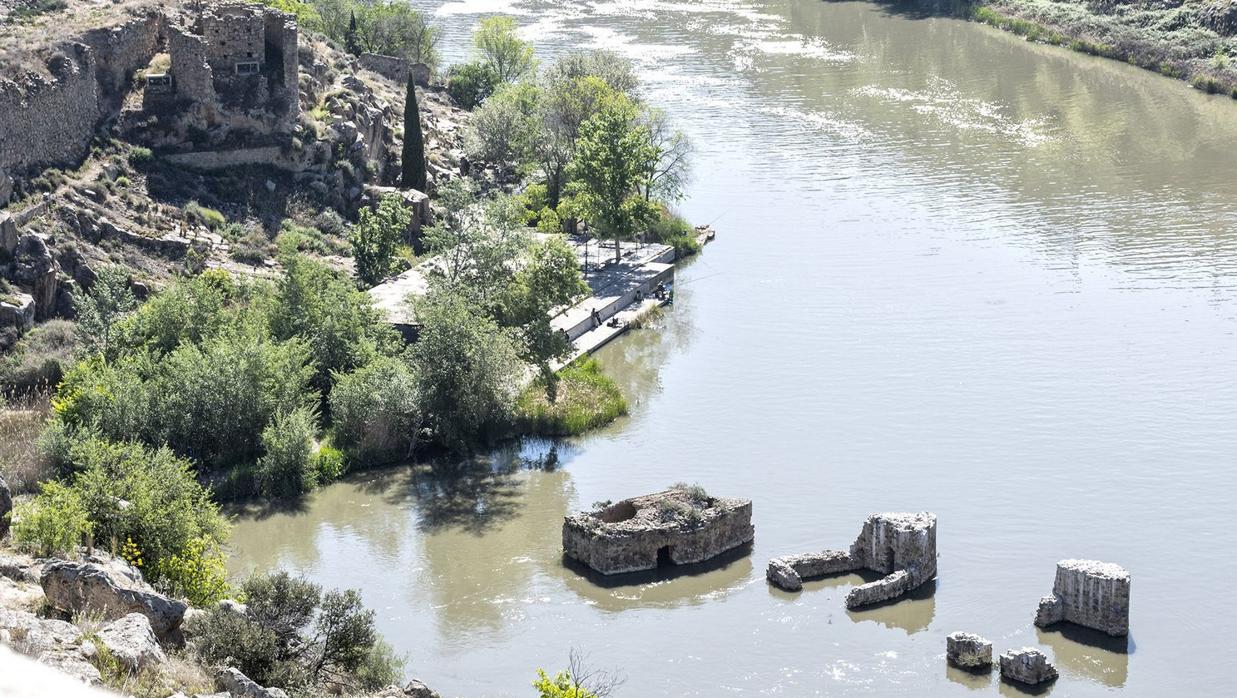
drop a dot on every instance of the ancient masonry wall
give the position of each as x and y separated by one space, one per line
233 35
1090 593
193 75
50 121
119 52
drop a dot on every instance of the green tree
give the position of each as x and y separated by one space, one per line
470 84
508 126
101 308
468 368
394 28
375 238
376 410
666 172
286 468
339 324
510 57
608 168
413 155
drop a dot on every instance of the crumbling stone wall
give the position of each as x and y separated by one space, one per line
49 120
193 76
900 546
233 34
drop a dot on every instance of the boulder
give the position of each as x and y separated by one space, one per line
6 504
968 651
1027 665
1089 593
17 310
8 235
132 641
34 267
33 636
73 664
112 588
241 686
414 689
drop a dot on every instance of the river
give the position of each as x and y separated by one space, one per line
955 272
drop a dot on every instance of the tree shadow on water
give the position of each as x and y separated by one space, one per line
472 494
918 9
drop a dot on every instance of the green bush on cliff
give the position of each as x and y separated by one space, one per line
296 637
54 522
470 84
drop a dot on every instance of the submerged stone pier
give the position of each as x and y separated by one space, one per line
902 546
682 525
1089 593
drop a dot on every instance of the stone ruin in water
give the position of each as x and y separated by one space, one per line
1027 665
678 526
901 546
1089 593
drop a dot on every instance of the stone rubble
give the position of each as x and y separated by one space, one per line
241 686
1027 665
1089 593
968 651
902 546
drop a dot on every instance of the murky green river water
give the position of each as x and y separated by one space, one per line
956 272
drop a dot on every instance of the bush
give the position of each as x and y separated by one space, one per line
470 84
22 462
202 215
39 360
151 498
376 411
254 248
375 238
329 464
585 398
54 522
140 158
199 574
286 468
294 636
673 230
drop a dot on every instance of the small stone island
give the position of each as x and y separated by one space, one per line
682 525
1089 593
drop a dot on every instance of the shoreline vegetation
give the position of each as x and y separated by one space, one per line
1190 40
126 426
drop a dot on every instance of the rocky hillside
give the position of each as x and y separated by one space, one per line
160 194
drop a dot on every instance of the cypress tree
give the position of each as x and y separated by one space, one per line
350 42
413 157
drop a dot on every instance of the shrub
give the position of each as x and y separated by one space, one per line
673 230
199 574
254 248
376 410
329 464
22 462
54 522
140 158
151 498
375 237
39 360
209 217
561 686
470 84
294 636
286 468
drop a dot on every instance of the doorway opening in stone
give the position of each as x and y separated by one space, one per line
663 557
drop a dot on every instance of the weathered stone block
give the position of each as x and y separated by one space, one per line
676 527
968 651
112 588
1089 593
1027 665
901 546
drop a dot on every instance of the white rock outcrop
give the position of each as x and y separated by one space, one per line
110 587
132 642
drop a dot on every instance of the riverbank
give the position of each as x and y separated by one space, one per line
1187 40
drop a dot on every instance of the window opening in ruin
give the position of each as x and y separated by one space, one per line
247 68
663 556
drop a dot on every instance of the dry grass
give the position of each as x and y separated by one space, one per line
21 462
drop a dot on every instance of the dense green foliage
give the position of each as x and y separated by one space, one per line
560 685
39 360
672 230
609 165
376 410
299 638
99 309
376 237
470 84
412 162
385 27
145 501
287 467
